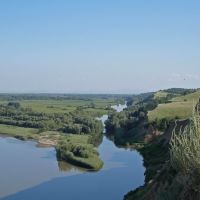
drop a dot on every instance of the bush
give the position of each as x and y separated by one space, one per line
14 104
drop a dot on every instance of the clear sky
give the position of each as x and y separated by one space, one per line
99 46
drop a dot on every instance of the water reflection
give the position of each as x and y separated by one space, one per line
23 165
122 172
66 167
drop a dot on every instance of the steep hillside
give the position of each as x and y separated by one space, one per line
162 181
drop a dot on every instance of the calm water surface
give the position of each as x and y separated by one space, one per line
33 173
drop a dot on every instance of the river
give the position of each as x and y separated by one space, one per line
33 173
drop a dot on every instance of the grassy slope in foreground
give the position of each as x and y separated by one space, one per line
180 107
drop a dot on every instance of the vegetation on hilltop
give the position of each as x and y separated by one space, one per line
180 91
179 107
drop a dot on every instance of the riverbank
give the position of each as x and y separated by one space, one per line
19 132
161 180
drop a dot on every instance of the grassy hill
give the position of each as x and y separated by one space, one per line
160 94
180 107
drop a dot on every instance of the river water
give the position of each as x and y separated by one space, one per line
33 173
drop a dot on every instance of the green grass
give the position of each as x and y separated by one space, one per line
19 132
185 152
76 139
190 97
65 106
160 94
180 107
51 106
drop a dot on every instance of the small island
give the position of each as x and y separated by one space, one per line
77 151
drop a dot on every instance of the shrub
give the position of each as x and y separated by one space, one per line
185 152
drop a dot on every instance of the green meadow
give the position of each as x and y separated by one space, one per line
160 94
64 106
19 132
179 107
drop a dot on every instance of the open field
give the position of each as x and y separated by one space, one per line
19 132
180 107
77 139
65 106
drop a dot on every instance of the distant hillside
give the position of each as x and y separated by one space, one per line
178 107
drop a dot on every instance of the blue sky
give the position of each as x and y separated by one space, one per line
104 46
